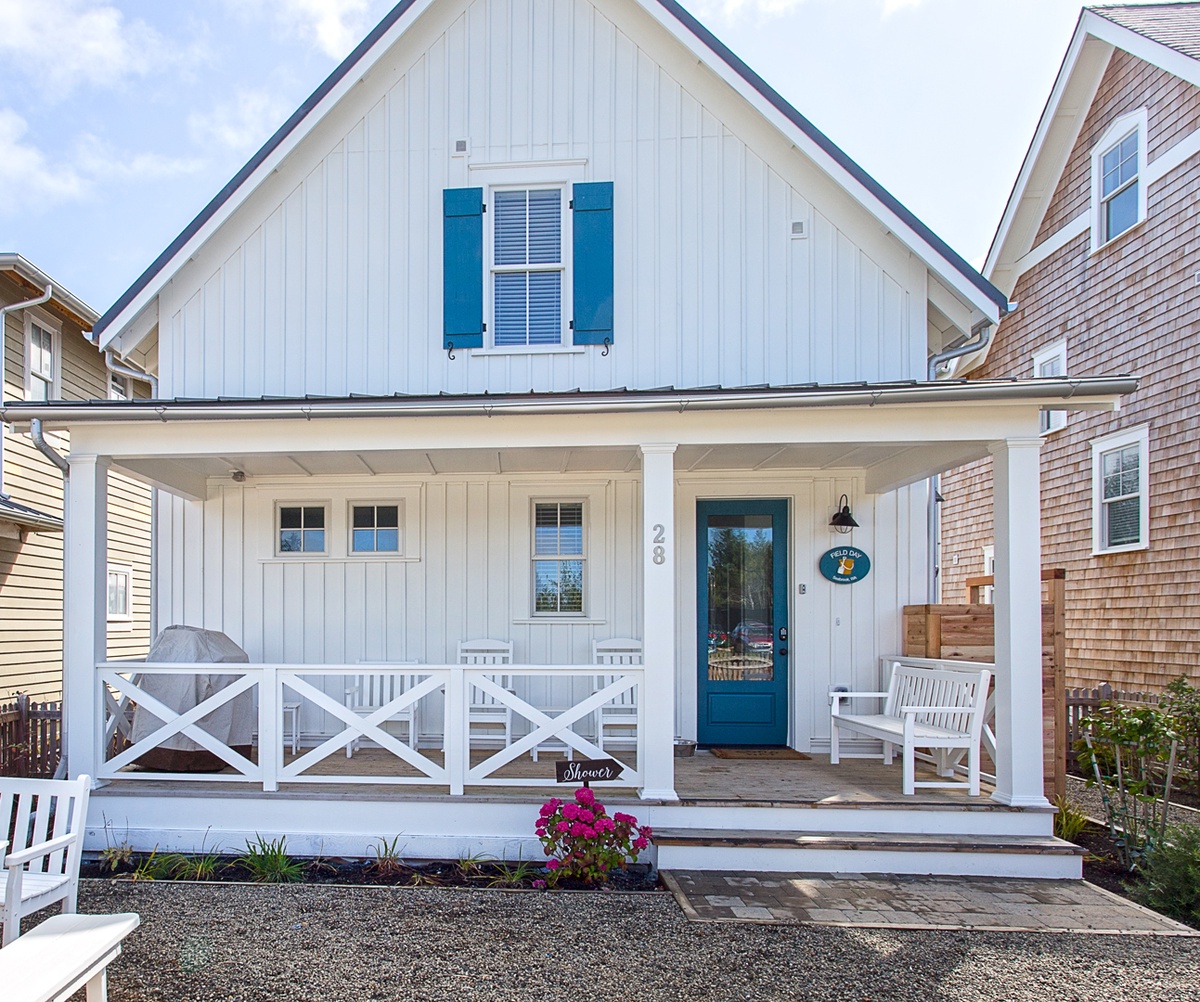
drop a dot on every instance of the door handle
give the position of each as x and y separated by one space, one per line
783 652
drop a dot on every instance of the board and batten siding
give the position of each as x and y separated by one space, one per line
328 279
31 568
467 576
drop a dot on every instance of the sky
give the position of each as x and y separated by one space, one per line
120 119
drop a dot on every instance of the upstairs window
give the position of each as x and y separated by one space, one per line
1048 363
1120 491
527 267
118 387
558 557
41 353
1118 189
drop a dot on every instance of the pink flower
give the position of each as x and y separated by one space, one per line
550 806
539 885
639 844
625 819
584 795
552 864
571 812
586 815
562 826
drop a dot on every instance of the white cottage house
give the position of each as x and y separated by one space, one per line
520 373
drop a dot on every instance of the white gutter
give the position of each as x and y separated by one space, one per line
120 369
1048 391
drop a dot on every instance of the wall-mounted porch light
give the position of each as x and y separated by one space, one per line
842 520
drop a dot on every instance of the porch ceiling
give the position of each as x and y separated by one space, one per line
885 465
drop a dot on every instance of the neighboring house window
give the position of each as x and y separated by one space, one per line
1050 362
1118 189
41 353
558 557
1120 491
528 271
301 528
987 593
118 387
375 528
120 594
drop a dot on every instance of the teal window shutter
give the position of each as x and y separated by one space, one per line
593 262
462 268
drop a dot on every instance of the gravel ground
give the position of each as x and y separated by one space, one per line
1089 800
333 944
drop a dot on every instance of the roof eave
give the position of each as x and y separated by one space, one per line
36 278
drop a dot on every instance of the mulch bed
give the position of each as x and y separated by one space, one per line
440 873
1102 865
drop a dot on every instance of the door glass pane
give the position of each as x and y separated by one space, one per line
741 599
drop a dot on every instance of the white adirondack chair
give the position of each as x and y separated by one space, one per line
621 713
46 818
368 692
483 709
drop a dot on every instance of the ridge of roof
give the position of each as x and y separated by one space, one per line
706 37
1175 25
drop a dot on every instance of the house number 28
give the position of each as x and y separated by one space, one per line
660 551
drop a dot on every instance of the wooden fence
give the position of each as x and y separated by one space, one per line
1080 703
30 738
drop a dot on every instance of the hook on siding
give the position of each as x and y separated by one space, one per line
607 345
450 350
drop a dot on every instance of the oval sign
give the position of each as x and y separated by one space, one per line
845 565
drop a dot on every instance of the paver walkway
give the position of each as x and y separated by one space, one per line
907 902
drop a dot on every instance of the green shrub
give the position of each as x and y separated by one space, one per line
1070 821
1171 875
269 862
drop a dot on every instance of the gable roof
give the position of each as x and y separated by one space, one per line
937 254
1176 25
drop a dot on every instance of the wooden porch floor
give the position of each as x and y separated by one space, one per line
702 780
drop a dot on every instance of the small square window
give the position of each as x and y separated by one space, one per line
120 594
558 557
375 528
301 528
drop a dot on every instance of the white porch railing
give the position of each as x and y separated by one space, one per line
552 704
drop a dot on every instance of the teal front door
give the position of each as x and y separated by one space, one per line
741 558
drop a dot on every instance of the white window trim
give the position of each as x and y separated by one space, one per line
401 518
128 386
47 323
1134 121
1054 420
302 554
519 176
987 593
124 619
1139 436
534 556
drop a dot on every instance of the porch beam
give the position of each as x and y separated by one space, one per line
656 762
85 609
1018 609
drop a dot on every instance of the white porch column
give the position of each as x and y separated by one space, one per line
85 609
658 622
1018 609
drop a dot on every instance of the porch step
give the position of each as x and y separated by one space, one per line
868 852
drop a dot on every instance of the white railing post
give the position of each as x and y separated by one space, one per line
1018 606
458 738
656 741
270 723
85 611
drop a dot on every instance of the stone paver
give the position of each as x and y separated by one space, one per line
908 902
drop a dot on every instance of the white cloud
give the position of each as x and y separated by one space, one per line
333 26
96 160
27 173
61 45
244 123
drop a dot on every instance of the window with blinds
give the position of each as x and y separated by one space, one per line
1120 491
558 557
527 267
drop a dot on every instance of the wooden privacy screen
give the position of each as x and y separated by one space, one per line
968 633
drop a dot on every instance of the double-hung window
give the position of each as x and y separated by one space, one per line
1120 491
1118 188
1048 363
527 266
558 557
41 345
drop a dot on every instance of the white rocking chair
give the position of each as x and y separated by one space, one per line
621 712
46 818
483 709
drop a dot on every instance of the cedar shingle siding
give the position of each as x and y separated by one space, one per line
1132 619
31 592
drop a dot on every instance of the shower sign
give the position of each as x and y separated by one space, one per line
844 565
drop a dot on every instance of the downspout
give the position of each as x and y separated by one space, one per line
981 335
111 363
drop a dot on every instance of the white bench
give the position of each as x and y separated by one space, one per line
60 956
938 709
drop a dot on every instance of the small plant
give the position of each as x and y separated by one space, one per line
115 855
156 867
387 861
269 862
1070 821
584 843
1171 875
518 875
470 867
200 867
